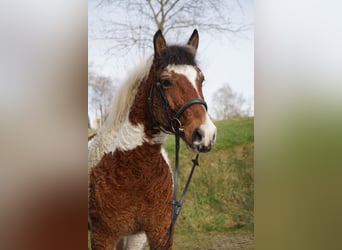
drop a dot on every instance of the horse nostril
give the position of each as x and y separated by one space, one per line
214 137
205 149
196 137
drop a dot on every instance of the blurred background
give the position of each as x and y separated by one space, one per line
43 98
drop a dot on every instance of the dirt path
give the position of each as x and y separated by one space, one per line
215 241
233 241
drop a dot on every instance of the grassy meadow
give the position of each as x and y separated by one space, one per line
220 200
221 194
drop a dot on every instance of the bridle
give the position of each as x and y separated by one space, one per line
173 117
176 127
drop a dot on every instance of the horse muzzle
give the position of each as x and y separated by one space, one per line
204 137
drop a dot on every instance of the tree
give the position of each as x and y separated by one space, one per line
142 18
227 103
100 89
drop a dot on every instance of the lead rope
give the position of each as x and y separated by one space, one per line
177 205
176 128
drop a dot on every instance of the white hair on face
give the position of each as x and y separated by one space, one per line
188 71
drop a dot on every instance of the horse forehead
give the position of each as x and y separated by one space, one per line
189 71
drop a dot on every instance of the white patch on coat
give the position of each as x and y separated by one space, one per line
129 137
158 138
106 138
165 156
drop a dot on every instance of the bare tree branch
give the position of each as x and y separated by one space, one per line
143 17
100 90
228 103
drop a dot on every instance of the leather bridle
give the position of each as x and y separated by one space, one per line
173 117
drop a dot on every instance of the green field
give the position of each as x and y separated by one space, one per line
218 209
221 194
220 200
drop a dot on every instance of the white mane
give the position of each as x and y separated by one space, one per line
121 103
124 97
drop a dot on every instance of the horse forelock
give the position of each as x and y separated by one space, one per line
175 55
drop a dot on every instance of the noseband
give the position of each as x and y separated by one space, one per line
173 116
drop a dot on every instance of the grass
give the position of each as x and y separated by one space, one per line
221 195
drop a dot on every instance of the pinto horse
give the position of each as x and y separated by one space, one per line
130 179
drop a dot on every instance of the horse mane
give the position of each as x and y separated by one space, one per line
124 97
121 103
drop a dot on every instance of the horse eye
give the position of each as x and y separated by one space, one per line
166 83
203 81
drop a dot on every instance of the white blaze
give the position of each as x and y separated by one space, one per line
188 71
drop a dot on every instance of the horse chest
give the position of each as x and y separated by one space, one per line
130 175
148 174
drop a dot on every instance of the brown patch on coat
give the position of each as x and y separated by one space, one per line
140 188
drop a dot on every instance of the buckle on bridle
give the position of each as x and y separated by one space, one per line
176 125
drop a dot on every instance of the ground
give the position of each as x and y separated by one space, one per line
214 241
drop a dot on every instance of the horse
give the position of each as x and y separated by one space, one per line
130 178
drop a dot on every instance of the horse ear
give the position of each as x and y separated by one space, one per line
159 42
194 39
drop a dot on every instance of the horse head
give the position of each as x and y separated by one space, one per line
176 98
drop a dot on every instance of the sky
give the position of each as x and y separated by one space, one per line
222 60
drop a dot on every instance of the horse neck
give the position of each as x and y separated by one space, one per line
139 111
137 128
134 129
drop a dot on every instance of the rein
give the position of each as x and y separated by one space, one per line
176 127
177 205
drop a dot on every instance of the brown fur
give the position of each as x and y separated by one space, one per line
194 115
148 211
